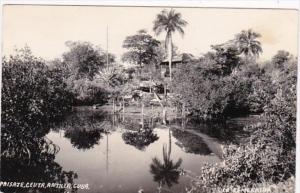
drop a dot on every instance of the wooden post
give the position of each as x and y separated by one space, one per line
123 106
164 115
165 90
183 110
113 105
183 116
123 109
142 115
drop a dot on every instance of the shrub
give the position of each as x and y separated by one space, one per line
204 96
31 93
269 156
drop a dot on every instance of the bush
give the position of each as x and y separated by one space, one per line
31 93
87 93
269 156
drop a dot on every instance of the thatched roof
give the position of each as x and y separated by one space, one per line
182 58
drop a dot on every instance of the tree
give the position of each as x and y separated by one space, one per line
222 61
141 49
280 59
269 155
113 79
247 43
84 59
32 94
170 22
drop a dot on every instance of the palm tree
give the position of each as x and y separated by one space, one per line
165 172
112 79
247 43
170 22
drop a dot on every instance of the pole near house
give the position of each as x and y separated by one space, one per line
123 109
107 62
142 115
183 110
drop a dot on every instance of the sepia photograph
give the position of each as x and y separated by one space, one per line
148 99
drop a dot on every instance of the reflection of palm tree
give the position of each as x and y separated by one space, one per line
166 172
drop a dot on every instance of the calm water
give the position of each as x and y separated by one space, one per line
115 154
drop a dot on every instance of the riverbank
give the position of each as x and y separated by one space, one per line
133 110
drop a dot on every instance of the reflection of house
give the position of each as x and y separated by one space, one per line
176 62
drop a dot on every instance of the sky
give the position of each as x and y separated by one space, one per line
45 29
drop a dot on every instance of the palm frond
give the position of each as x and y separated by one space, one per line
169 21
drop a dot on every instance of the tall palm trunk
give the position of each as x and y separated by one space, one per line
170 54
170 144
142 113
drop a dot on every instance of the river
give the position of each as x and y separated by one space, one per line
117 153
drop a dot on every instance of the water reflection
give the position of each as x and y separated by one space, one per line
141 138
85 128
191 143
165 172
85 120
84 139
27 157
230 132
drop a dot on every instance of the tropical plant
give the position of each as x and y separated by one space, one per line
112 79
247 43
170 22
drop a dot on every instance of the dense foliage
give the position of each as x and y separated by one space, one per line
223 84
269 156
81 63
32 93
142 49
84 59
205 86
